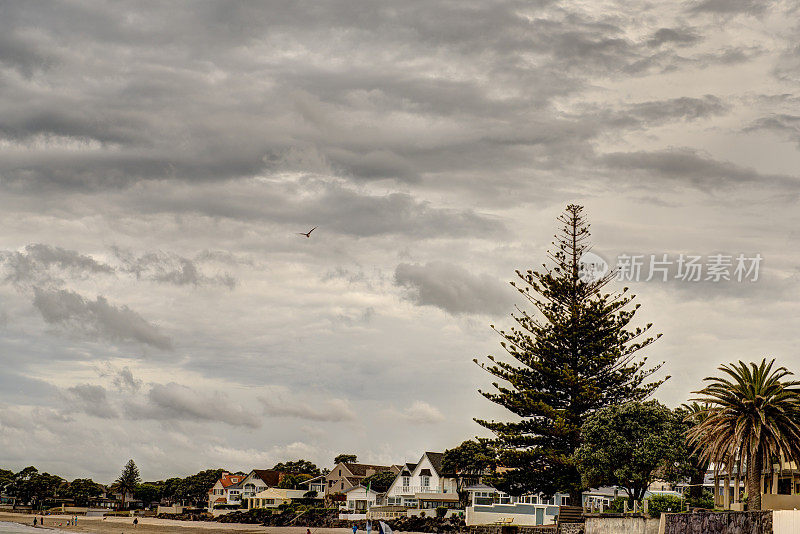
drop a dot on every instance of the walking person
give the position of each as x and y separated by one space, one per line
135 521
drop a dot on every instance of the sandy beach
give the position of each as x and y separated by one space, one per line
151 525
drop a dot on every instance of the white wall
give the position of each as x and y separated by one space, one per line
786 521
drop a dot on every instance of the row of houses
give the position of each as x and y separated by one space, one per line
422 487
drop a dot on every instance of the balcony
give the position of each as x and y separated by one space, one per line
411 490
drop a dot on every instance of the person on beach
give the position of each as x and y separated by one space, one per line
355 528
135 521
34 521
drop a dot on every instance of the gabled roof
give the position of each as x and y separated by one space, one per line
359 486
436 460
228 479
270 477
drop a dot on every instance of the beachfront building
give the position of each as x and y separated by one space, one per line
345 476
360 499
274 497
490 506
258 480
315 485
226 492
423 485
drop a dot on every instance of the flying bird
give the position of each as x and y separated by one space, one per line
307 234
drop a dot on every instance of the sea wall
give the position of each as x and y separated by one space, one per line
621 525
719 523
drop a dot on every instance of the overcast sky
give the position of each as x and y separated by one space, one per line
157 160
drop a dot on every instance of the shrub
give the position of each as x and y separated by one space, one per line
618 505
658 504
441 511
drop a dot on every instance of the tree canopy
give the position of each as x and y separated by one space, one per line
298 467
627 445
82 491
574 354
345 458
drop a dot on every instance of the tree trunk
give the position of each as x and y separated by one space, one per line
754 469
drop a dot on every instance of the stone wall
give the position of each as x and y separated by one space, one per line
621 525
719 523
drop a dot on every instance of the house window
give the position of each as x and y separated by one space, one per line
406 481
426 482
565 500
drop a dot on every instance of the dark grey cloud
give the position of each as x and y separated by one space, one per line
125 381
35 264
169 268
679 36
331 204
279 403
692 168
453 288
730 7
175 402
89 399
682 108
97 318
782 124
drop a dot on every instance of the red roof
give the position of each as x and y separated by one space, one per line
229 480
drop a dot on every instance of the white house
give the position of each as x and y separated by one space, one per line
360 499
423 485
488 506
274 497
226 492
316 484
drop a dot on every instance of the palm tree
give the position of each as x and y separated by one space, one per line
753 416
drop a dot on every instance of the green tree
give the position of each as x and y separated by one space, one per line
34 488
379 482
82 491
576 354
298 467
128 480
753 416
468 463
345 458
628 445
290 481
6 477
195 488
148 493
